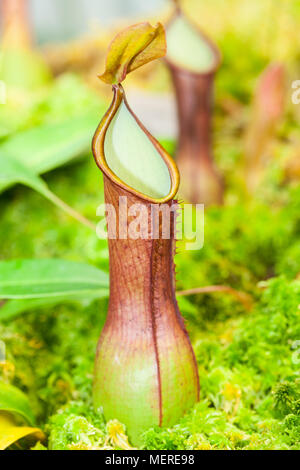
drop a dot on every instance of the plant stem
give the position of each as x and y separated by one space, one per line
242 297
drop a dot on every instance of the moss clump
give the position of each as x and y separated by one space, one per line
70 430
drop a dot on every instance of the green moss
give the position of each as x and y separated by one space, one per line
69 428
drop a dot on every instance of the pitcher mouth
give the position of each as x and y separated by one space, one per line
98 149
214 48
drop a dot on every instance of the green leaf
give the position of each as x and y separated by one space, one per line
13 308
13 171
46 147
132 48
34 279
10 433
14 401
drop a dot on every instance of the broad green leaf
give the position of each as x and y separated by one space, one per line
13 171
132 48
10 433
33 279
14 308
46 147
14 401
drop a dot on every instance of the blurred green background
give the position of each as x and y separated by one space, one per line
249 371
